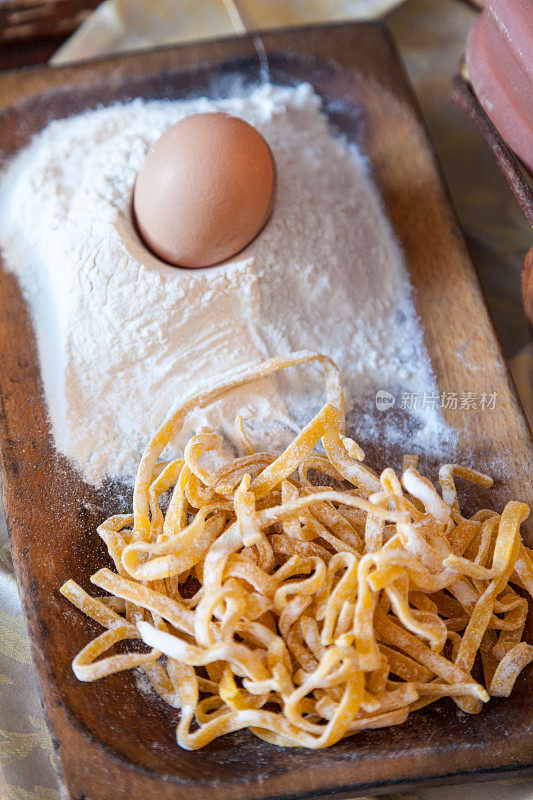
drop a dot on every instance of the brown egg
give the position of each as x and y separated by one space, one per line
205 190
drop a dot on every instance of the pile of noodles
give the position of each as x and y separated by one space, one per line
299 611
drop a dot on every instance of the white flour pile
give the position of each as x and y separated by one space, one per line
123 338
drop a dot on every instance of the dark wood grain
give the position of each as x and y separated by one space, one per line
111 740
35 20
32 30
465 97
527 286
514 173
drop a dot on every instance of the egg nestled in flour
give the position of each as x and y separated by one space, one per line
205 190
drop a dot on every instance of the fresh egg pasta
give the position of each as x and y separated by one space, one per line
306 610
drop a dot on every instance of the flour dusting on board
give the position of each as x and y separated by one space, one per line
123 338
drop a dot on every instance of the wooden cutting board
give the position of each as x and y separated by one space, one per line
111 741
